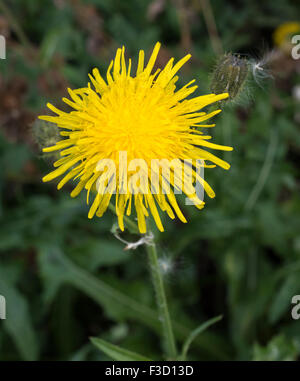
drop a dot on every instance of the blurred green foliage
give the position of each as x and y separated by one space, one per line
66 278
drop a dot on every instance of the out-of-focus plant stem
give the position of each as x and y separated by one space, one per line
264 173
205 7
184 24
15 25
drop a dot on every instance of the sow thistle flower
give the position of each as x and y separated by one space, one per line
146 118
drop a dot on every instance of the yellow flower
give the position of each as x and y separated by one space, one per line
282 34
143 117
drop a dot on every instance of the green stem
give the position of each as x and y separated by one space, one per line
162 304
158 283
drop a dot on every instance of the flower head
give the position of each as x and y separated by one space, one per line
145 118
283 33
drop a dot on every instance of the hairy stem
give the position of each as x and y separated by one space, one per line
159 288
162 304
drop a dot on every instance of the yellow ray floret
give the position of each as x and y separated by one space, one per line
120 127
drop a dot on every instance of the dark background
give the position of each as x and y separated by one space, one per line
66 278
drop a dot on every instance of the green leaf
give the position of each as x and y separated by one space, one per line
82 353
281 304
18 322
117 353
93 253
49 46
57 269
195 333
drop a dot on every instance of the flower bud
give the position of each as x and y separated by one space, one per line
46 135
229 75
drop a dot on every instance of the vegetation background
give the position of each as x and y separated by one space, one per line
67 278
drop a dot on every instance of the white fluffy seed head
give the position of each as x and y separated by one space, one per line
260 68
